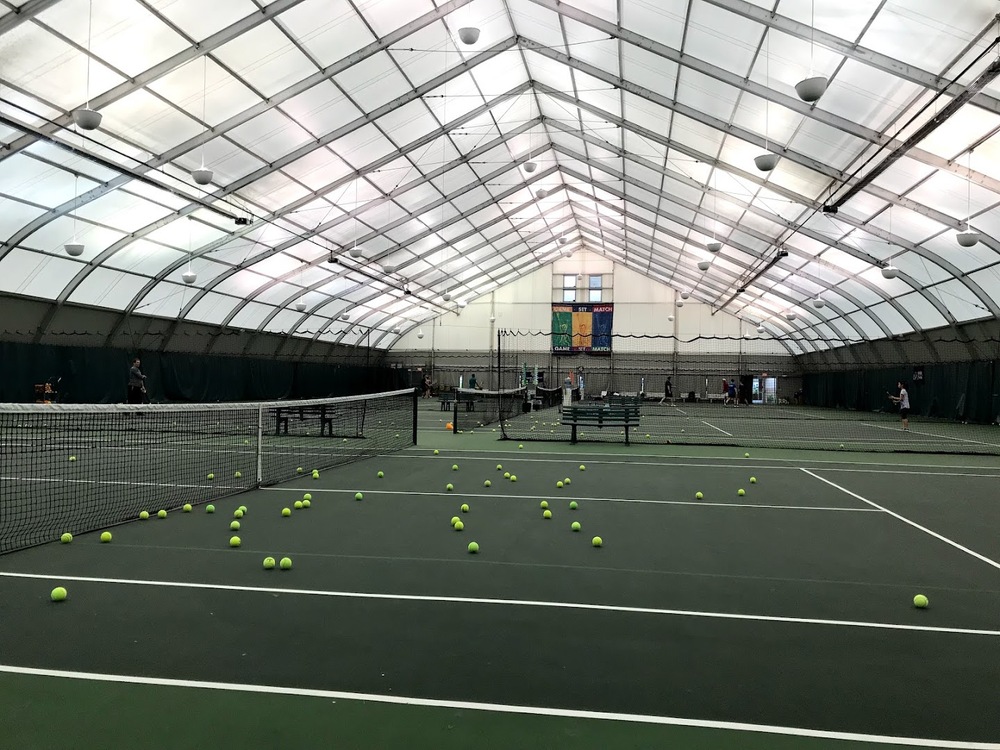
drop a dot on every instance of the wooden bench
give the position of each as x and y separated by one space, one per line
601 416
350 418
448 400
303 413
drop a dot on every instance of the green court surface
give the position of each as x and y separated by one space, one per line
781 618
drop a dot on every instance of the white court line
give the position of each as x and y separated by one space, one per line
534 603
800 415
567 713
906 520
717 428
487 496
929 434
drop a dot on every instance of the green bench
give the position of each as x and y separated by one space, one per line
448 400
601 416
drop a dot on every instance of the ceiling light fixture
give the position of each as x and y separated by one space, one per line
968 237
704 265
201 175
300 306
767 161
469 34
85 117
189 276
791 315
714 246
74 249
812 88
889 271
760 328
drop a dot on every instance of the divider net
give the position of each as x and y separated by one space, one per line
81 467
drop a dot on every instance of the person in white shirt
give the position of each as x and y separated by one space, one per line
903 399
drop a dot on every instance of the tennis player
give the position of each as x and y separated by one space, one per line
903 399
136 383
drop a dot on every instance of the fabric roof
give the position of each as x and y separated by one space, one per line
335 124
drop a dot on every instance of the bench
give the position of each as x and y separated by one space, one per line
601 416
325 417
448 400
620 400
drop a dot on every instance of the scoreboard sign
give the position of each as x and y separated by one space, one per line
582 328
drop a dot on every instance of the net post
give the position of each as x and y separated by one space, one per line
454 416
415 392
260 446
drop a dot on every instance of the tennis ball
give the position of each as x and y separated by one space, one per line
243 508
59 594
234 526
546 514
573 505
315 475
459 526
513 477
286 512
238 475
647 436
187 507
237 513
72 459
144 515
436 451
487 483
234 541
544 504
306 503
208 509
286 563
597 541
520 447
246 442
299 470
454 520
566 480
161 514
753 480
358 496
741 492
269 563
575 525
506 475
499 467
106 537
297 505
582 467
473 547
211 476
746 455
449 487
920 601
699 496
559 485
464 508
307 496
66 538
380 475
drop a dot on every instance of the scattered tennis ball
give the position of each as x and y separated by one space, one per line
473 547
299 470
449 487
575 525
246 442
573 505
546 514
344 440
841 446
559 485
286 563
307 496
269 563
499 467
234 541
647 436
459 526
144 515
315 475
237 513
161 514
520 447
66 538
920 601
358 496
487 483
211 476
506 475
566 480
753 480
238 475
187 507
106 537
544 504
59 594
464 508
208 509
454 520
746 455
513 477
286 512
306 503
597 541
72 459
297 505
582 467
741 492
380 475
454 467
234 526
243 508
436 451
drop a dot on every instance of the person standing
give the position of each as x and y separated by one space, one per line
903 399
426 385
731 392
668 392
136 383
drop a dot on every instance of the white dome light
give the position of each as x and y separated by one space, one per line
202 176
530 166
345 316
87 119
704 265
397 331
300 306
389 268
189 277
819 302
420 334
461 303
679 303
670 318
766 162
541 193
469 34
811 89
446 296
791 315
760 328
714 246
493 319
685 294
968 238
73 249
563 240
890 272
357 252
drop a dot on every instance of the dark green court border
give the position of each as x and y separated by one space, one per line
41 712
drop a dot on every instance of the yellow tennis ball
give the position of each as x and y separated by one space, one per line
187 507
234 526
161 514
546 514
455 519
597 541
699 496
106 537
544 504
66 538
234 541
741 492
269 563
559 485
920 601
144 515
464 508
59 594
286 512
513 477
306 503
298 505
459 526
286 563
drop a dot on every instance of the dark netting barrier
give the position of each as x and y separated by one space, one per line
752 392
77 468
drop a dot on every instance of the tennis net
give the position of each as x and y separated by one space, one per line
77 468
479 408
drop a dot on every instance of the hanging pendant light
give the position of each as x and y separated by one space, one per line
679 303
812 88
791 315
968 237
670 318
685 294
189 276
889 271
541 193
75 248
203 175
766 161
397 331
300 306
420 334
704 265
469 34
760 328
85 117
714 245
819 302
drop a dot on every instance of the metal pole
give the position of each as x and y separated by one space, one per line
260 446
415 392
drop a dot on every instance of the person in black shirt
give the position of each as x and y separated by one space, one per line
136 383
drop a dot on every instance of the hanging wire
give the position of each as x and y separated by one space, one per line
968 195
204 96
767 85
812 36
90 30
